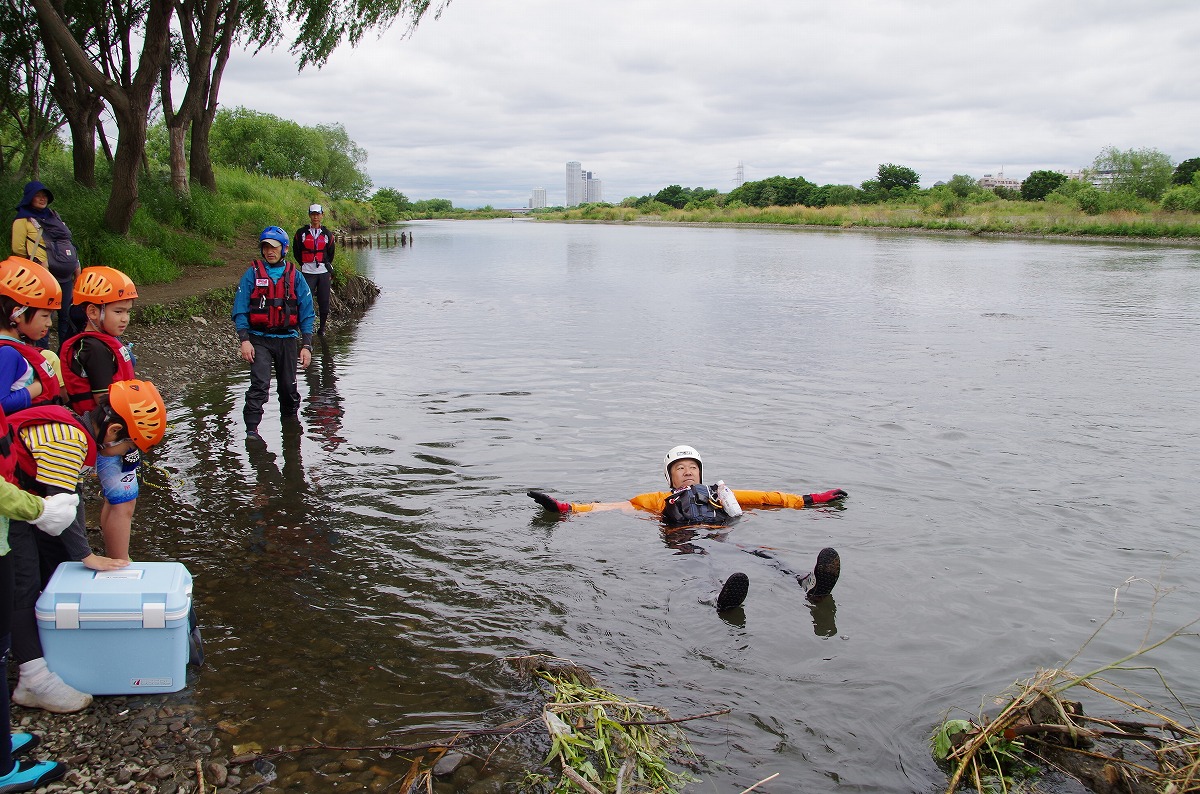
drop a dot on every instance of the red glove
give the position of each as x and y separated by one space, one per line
824 497
549 502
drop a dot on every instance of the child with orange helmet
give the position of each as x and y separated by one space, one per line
91 362
29 297
50 449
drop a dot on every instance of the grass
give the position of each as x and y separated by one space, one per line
992 217
216 302
169 232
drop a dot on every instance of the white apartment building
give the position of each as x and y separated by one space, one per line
988 181
574 184
539 198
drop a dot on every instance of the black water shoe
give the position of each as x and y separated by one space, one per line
733 594
825 574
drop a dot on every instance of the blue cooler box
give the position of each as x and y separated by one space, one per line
122 632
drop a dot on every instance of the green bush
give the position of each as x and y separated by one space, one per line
1184 198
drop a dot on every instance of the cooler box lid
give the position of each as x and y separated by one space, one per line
152 594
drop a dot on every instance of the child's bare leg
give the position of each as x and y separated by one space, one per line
116 523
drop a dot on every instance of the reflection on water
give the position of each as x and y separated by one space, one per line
1015 422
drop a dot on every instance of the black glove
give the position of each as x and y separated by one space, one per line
549 502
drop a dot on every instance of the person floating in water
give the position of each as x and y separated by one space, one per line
690 503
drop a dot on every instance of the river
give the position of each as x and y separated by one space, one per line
1015 421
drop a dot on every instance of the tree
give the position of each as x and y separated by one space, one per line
1145 173
1040 184
128 90
892 176
962 185
390 204
672 195
25 88
340 174
775 191
1185 170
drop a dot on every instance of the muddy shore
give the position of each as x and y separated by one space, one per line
165 743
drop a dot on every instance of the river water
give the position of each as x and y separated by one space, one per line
1016 422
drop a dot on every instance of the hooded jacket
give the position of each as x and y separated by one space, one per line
27 238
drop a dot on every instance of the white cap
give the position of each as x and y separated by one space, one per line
272 243
316 208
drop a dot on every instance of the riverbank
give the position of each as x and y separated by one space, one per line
1036 220
159 743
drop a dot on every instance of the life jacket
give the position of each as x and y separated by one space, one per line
274 308
312 245
42 369
25 466
79 388
8 461
697 504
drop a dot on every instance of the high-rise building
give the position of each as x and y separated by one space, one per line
581 187
539 198
574 184
592 192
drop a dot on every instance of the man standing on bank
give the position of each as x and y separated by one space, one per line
313 249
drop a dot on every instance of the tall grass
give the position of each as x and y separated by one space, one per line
995 217
171 232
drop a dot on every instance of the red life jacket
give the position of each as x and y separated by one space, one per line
25 465
312 245
79 388
8 461
274 308
42 369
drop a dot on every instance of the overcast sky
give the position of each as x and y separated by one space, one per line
492 99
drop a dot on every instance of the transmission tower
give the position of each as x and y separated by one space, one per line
740 178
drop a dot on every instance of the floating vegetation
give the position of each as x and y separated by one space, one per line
602 742
1149 749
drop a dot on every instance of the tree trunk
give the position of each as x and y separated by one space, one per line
179 164
202 167
131 144
206 106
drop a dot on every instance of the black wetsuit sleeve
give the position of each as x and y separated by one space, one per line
96 363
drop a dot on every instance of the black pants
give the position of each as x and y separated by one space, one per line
319 284
6 602
35 555
282 353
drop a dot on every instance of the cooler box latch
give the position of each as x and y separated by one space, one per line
154 616
66 615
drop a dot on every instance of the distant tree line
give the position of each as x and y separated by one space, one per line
1129 179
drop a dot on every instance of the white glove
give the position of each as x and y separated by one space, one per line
58 513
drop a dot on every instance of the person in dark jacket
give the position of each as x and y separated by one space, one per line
312 246
273 316
40 235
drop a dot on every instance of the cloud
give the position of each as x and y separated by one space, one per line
492 99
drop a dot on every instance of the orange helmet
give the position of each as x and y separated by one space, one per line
29 284
102 285
140 406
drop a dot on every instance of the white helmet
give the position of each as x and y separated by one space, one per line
681 452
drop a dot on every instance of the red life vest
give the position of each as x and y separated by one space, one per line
274 308
312 245
79 388
8 461
26 468
42 369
